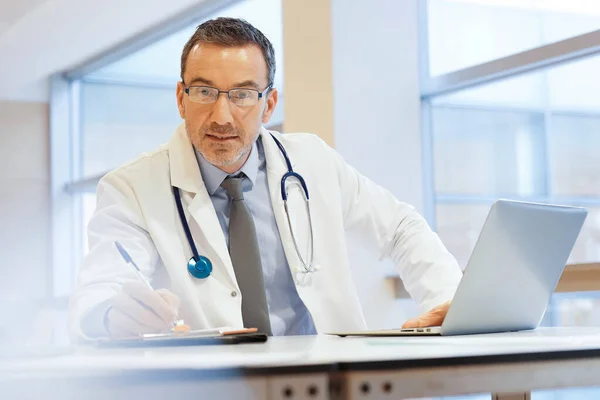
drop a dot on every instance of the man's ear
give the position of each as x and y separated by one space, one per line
180 96
270 105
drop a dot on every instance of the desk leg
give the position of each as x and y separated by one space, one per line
511 396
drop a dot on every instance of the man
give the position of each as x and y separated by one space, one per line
213 194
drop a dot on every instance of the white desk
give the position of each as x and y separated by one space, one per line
318 367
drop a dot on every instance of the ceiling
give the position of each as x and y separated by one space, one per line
12 11
42 37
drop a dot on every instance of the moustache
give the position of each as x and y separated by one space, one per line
228 130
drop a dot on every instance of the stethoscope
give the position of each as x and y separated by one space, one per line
200 267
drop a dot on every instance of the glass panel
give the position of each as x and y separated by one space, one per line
118 123
574 144
463 33
488 152
576 309
572 87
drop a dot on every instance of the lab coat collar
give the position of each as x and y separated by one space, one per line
275 161
185 173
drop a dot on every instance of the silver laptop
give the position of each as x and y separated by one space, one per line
512 272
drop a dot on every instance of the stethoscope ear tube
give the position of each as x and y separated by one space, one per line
308 263
292 174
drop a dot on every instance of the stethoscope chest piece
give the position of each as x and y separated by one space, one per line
200 268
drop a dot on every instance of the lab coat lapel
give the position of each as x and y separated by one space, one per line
276 169
185 174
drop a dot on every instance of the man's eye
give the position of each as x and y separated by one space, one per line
242 95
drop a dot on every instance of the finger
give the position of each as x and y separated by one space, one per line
121 325
431 319
434 317
442 307
438 314
171 298
423 321
138 312
411 323
150 299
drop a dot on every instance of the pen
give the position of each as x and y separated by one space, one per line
127 258
125 255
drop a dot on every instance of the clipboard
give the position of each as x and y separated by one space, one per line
208 337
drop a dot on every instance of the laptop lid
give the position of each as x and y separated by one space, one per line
514 268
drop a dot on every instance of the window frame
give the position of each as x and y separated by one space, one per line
533 60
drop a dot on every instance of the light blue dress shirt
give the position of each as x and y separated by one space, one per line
288 314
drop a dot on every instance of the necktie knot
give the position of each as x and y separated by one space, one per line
233 187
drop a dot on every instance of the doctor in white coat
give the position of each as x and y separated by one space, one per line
301 286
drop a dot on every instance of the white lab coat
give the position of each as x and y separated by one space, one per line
135 205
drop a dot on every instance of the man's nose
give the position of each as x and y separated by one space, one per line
221 113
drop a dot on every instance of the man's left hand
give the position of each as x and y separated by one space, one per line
433 317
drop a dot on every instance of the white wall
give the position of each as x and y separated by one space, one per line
377 121
24 201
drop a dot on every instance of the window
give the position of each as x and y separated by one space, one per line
542 147
120 122
501 133
500 149
505 120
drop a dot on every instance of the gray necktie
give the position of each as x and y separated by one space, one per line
245 256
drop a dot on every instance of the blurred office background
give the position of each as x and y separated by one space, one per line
450 104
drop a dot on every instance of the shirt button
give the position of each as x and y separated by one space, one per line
233 294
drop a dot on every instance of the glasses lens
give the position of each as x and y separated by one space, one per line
203 95
243 97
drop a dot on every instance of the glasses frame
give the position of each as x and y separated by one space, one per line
228 92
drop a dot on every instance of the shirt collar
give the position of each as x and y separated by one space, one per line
213 176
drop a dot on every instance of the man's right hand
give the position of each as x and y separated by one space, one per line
137 310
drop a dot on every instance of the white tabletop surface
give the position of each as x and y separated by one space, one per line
306 351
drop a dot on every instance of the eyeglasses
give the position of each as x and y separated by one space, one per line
239 97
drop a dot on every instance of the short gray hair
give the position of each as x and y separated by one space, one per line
231 32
